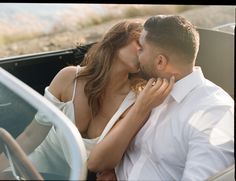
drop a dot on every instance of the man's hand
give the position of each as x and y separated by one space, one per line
108 175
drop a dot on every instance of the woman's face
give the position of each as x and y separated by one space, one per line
128 56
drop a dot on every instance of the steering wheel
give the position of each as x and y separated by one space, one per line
21 166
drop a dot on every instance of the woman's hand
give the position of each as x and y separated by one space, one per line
108 153
108 175
154 93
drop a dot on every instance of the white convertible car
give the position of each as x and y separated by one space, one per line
23 79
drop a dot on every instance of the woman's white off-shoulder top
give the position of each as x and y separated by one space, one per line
53 155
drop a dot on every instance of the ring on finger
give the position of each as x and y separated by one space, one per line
153 83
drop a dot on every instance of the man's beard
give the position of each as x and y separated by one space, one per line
145 74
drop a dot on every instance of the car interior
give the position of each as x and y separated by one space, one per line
216 57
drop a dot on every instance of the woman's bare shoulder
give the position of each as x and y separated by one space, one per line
63 81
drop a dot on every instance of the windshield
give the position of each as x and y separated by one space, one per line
62 158
15 113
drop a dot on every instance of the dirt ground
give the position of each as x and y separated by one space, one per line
208 17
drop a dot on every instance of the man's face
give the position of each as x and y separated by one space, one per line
147 55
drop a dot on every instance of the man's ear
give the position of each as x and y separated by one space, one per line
161 62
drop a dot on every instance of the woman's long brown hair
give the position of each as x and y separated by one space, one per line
100 57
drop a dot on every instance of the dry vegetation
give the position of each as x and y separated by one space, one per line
92 30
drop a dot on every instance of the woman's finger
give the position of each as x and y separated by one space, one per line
170 86
158 83
162 87
151 82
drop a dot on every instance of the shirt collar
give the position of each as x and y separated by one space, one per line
183 86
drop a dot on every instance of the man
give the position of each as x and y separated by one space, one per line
190 135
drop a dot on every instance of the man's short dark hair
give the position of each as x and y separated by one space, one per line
173 33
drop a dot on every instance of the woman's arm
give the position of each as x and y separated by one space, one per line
35 133
29 139
110 150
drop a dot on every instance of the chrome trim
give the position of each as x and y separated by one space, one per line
231 25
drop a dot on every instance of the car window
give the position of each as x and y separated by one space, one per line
15 112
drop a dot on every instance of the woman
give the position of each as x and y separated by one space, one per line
95 97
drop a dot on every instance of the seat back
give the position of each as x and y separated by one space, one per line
216 58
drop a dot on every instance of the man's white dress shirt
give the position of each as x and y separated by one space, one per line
189 137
